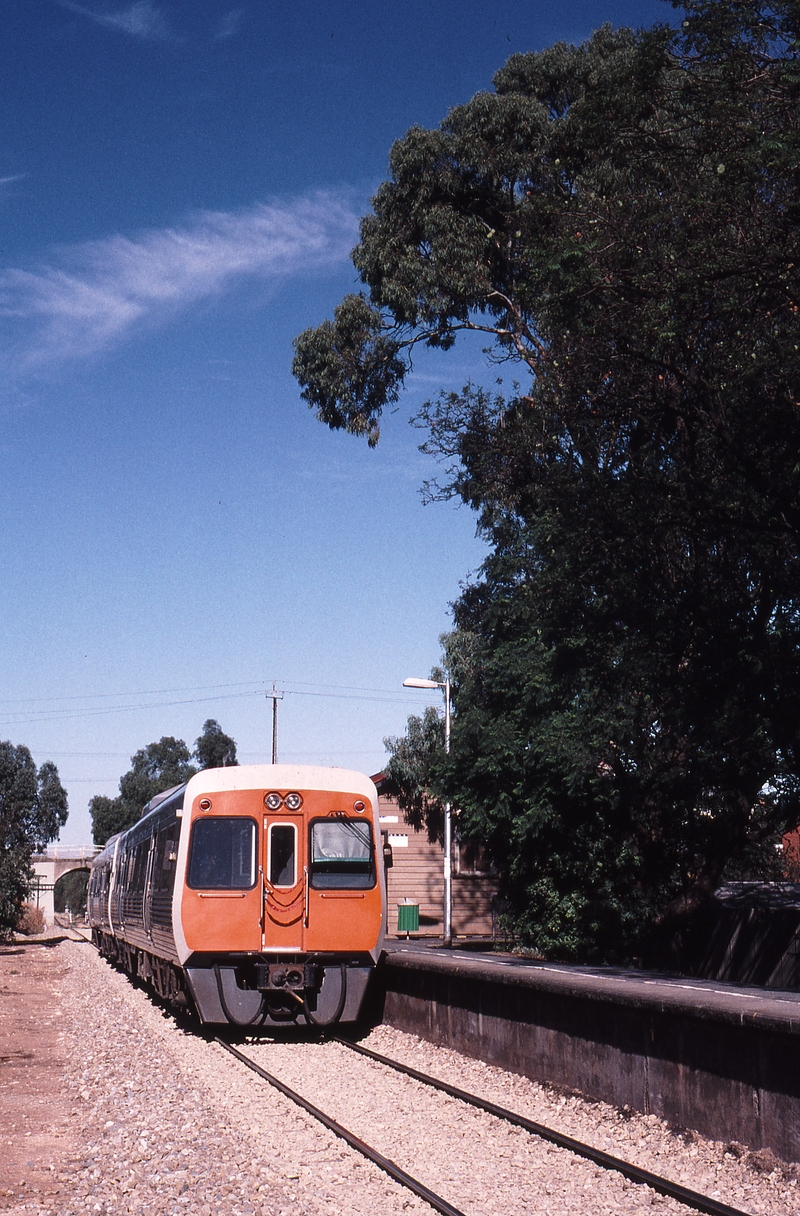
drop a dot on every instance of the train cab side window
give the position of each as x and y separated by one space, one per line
342 856
222 854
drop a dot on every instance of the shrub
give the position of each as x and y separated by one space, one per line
31 920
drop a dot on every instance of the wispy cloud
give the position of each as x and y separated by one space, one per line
96 294
229 24
9 180
142 19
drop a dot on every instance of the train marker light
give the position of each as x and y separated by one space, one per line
360 807
205 804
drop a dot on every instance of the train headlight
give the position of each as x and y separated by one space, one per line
273 802
293 802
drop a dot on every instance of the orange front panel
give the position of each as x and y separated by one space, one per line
222 922
343 920
216 916
280 911
331 920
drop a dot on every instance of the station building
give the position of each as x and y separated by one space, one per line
416 876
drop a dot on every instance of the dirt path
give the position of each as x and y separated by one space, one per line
38 1121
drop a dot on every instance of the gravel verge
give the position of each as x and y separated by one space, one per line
169 1123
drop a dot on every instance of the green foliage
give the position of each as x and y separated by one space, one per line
70 892
33 809
621 220
109 816
156 768
214 749
349 369
410 772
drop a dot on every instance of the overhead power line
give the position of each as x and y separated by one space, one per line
21 718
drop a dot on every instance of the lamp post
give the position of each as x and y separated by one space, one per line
447 935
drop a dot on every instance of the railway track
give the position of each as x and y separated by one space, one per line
693 1200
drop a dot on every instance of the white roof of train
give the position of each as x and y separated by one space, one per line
280 777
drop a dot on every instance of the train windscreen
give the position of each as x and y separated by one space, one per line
341 855
223 854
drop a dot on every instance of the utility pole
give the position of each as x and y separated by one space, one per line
275 697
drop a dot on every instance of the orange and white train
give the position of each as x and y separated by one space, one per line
254 893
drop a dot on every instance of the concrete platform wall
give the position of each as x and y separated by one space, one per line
722 1074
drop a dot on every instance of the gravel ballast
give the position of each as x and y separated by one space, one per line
169 1123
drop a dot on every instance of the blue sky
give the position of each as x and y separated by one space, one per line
180 186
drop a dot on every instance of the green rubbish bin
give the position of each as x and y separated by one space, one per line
407 917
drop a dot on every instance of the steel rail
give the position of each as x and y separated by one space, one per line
389 1167
692 1199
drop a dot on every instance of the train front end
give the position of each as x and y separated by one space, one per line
279 915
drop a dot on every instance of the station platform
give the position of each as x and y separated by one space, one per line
763 1007
721 1059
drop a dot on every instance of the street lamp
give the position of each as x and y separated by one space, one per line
413 682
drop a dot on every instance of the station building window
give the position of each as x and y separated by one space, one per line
471 859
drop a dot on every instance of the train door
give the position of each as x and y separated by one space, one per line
114 911
285 882
147 911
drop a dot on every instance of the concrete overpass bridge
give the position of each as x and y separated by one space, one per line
54 864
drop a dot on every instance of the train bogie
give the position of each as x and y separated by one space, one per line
255 892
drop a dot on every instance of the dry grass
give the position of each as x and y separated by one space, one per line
31 920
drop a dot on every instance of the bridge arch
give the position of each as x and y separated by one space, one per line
49 867
69 891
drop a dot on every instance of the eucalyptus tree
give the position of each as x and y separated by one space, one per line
620 222
214 749
156 768
33 809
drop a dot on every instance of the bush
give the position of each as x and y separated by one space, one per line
31 920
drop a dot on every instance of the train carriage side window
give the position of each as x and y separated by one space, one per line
342 856
166 854
141 853
222 854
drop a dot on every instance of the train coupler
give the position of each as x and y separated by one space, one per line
287 977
